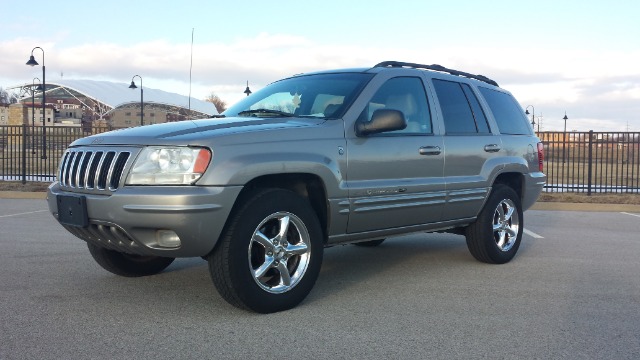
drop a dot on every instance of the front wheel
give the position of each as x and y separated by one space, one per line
496 234
128 265
270 253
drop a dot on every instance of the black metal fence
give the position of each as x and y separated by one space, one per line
33 153
589 162
601 162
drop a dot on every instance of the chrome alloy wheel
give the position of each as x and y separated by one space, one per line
506 224
279 252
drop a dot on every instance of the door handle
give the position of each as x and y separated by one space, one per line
492 148
430 150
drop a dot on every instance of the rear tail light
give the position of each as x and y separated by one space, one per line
540 156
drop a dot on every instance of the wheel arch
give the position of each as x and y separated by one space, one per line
307 185
514 180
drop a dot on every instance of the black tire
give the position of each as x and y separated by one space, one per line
370 243
253 267
127 264
496 234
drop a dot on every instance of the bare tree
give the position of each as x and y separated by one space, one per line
4 97
8 97
220 104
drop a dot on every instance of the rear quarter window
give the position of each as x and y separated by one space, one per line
506 111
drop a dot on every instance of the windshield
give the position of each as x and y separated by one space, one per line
319 95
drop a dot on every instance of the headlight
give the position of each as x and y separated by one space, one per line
169 166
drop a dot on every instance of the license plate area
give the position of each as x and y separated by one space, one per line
72 210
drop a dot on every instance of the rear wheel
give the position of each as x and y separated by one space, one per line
496 234
128 265
269 256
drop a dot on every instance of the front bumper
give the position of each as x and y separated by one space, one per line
129 219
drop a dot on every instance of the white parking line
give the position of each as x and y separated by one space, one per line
26 213
532 234
626 213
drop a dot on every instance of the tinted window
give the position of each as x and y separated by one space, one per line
406 94
506 111
456 108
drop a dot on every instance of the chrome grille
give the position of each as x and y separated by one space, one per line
93 169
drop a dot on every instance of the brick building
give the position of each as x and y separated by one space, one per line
83 102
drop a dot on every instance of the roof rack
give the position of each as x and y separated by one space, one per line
435 67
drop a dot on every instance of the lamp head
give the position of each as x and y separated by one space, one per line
133 85
32 61
247 91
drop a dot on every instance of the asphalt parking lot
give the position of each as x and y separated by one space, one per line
573 291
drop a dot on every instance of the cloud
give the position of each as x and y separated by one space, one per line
599 89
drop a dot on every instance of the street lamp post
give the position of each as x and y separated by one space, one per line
33 113
564 136
540 118
133 86
533 115
32 62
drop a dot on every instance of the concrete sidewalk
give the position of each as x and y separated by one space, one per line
546 206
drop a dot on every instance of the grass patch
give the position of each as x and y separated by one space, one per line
30 186
629 199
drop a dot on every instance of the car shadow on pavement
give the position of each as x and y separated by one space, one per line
349 266
347 271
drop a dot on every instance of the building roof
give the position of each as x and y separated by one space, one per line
113 95
37 105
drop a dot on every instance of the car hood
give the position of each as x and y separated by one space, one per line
191 131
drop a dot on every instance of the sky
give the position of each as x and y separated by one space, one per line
580 57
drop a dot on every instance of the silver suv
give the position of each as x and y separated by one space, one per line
314 160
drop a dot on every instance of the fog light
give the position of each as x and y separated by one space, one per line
167 238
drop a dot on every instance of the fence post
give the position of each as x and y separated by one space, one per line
590 162
24 154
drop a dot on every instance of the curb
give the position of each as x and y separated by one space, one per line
558 206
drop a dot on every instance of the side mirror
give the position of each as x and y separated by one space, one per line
382 120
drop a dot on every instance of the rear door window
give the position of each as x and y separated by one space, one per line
461 111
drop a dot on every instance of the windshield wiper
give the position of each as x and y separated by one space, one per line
265 111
